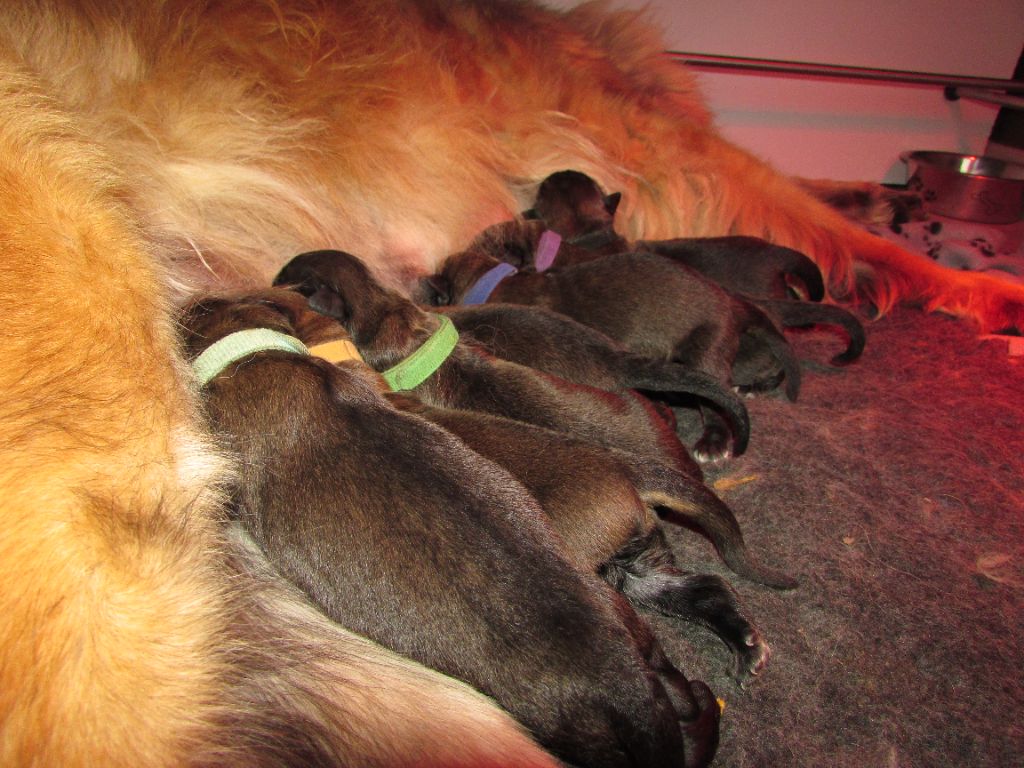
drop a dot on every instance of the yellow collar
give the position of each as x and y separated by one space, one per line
336 351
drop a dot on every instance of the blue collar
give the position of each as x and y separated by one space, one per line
488 281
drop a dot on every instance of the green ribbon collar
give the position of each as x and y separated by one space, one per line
418 366
241 344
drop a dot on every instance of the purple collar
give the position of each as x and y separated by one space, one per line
547 249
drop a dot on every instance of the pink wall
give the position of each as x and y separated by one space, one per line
842 129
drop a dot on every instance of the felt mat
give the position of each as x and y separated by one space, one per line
893 489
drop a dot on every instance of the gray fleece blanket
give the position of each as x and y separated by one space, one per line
893 488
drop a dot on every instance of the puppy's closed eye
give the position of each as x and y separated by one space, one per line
435 291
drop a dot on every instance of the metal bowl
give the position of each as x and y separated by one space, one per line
970 187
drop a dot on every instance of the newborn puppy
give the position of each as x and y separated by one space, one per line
761 282
400 532
572 204
557 344
381 322
651 306
387 328
604 512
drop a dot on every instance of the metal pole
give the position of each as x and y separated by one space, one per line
742 63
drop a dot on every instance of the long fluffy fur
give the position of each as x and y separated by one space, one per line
138 629
151 148
399 129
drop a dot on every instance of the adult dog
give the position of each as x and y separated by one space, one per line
150 147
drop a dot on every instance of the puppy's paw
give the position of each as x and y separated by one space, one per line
751 658
700 735
714 445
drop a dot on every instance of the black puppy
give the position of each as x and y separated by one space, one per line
388 327
572 204
771 276
400 532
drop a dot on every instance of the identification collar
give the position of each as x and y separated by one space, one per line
241 344
488 281
419 366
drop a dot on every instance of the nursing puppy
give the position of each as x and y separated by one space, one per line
650 306
734 263
388 328
572 204
557 344
604 511
771 277
400 532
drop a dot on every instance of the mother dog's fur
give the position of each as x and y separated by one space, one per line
150 147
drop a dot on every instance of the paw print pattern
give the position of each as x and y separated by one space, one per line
984 247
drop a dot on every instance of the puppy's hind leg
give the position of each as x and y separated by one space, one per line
645 572
710 349
693 700
685 502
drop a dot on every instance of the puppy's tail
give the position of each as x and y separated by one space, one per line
689 502
796 314
797 264
652 376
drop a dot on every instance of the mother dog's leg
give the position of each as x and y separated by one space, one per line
134 631
110 602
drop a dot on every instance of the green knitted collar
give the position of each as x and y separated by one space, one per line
240 344
418 366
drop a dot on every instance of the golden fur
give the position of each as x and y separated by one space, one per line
149 149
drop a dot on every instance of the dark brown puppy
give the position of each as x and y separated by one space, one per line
604 511
650 305
766 281
382 323
387 327
572 204
400 532
557 344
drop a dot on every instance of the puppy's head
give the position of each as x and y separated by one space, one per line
458 274
572 204
212 317
384 325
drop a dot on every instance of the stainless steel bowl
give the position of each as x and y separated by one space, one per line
970 187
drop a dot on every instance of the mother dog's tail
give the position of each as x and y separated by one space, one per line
685 180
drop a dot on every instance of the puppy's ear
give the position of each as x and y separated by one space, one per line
435 290
611 202
330 303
